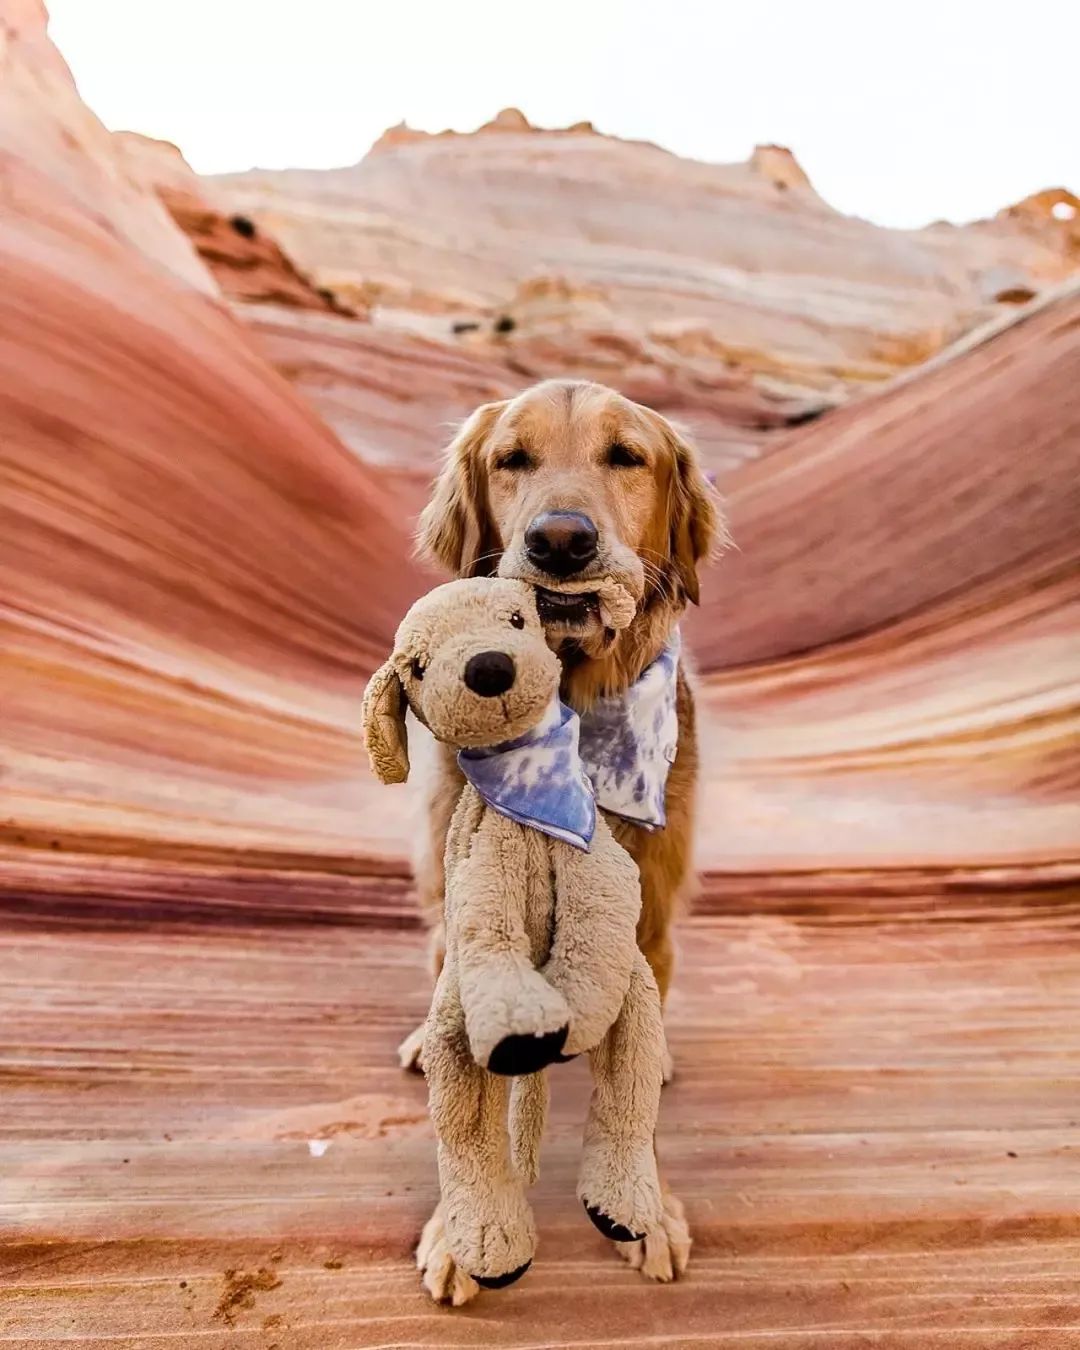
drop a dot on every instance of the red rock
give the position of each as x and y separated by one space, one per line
206 923
186 551
895 639
244 261
68 177
246 264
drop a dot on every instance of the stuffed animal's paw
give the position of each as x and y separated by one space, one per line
516 1055
619 1187
501 1281
496 1254
617 1232
411 1050
516 1025
618 606
663 1254
439 1272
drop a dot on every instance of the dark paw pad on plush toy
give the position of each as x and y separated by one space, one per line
501 1281
515 1055
617 1232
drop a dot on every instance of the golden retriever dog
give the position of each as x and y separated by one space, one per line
572 481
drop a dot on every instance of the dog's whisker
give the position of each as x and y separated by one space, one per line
484 557
660 577
657 578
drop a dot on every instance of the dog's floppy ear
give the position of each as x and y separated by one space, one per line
696 520
456 527
383 716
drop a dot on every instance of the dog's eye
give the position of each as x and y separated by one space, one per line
515 459
517 620
417 668
620 456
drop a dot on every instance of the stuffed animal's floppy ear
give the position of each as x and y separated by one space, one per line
383 715
456 528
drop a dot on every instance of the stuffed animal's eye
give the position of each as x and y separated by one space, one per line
517 458
620 456
517 620
417 668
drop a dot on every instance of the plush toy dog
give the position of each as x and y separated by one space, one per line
541 910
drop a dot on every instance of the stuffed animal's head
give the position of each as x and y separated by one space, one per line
470 659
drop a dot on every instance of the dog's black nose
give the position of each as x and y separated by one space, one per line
561 542
489 673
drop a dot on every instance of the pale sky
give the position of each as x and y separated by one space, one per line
901 112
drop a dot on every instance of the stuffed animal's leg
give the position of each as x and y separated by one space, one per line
598 900
489 1231
528 1112
618 1183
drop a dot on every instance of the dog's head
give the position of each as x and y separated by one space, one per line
568 482
471 661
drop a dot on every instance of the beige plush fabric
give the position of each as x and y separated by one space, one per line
541 957
617 606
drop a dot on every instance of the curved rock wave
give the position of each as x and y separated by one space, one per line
196 575
205 523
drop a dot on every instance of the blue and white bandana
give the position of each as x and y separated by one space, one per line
538 779
617 757
629 742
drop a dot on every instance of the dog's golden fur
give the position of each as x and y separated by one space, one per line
551 448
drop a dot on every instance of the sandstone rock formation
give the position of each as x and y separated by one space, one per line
208 474
247 265
896 642
186 551
247 564
64 174
782 284
550 326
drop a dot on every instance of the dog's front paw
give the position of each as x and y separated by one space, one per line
439 1272
664 1252
411 1050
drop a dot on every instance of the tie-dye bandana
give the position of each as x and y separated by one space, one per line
538 779
628 743
617 757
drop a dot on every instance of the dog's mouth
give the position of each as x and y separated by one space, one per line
558 607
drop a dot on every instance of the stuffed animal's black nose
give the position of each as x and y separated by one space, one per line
561 542
489 673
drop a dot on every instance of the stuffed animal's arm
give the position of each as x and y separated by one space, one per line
617 604
617 607
516 1022
598 901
